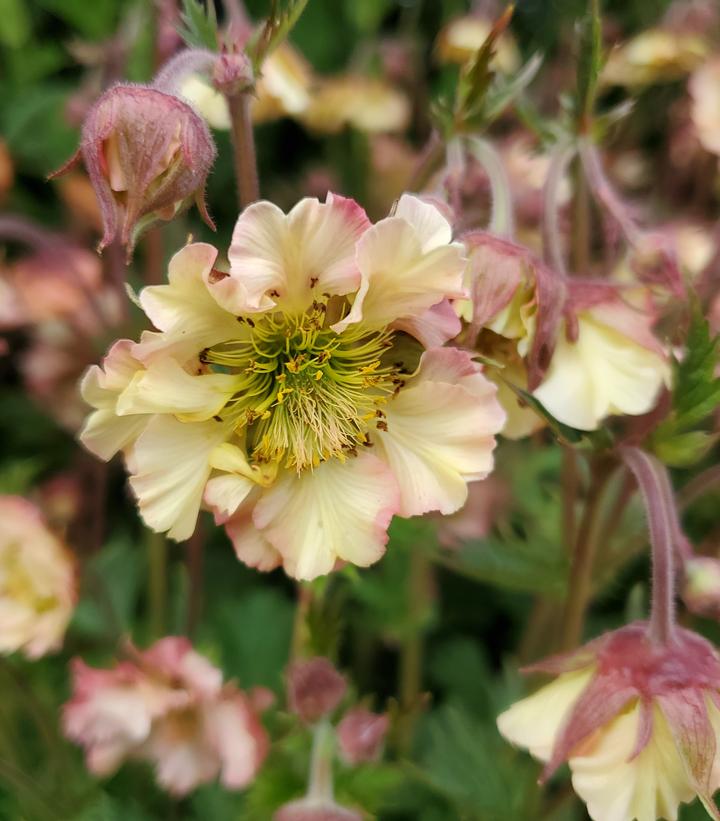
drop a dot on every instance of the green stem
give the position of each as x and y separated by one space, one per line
580 240
157 567
243 140
583 560
411 653
320 786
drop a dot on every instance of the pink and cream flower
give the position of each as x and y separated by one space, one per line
301 395
167 705
37 581
637 721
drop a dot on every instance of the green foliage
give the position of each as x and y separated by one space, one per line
199 24
253 631
283 16
525 553
695 396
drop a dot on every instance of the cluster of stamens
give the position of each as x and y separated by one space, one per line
305 393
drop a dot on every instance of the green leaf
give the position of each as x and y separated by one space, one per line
94 22
254 633
17 476
695 396
278 25
466 760
503 92
15 27
111 588
199 27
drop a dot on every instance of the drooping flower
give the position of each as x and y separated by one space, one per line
148 155
166 705
37 581
295 393
638 723
607 360
513 313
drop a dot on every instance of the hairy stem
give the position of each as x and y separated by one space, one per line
320 785
654 485
243 140
502 218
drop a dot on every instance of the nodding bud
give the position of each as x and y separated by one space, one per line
701 587
233 74
148 155
361 735
315 688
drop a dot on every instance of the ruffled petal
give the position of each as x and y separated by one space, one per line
617 786
336 511
165 387
602 373
433 328
251 547
440 432
283 260
432 227
399 278
535 722
170 465
184 309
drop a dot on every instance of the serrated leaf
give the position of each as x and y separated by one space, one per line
278 25
467 761
199 27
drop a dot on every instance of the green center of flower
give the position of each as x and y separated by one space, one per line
305 393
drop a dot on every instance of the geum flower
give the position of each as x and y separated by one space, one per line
637 722
300 394
166 705
37 581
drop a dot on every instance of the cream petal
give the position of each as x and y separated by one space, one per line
224 494
440 432
336 511
432 227
170 465
184 309
105 433
602 373
617 787
165 387
399 278
282 260
251 547
535 722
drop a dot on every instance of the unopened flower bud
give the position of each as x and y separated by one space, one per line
232 73
315 688
148 155
361 734
701 590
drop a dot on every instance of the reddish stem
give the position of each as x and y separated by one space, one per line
654 484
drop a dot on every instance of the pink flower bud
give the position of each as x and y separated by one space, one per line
638 722
232 73
361 734
315 688
701 590
148 155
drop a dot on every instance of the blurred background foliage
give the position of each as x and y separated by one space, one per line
480 609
